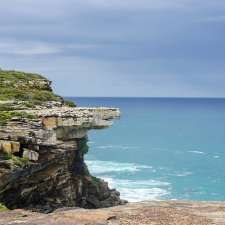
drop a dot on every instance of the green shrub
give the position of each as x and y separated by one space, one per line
96 182
17 75
18 161
16 85
27 94
3 208
5 116
69 103
6 107
83 146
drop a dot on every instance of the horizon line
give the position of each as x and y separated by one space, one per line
143 97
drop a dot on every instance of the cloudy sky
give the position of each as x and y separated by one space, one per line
118 48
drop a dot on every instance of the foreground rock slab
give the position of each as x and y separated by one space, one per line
144 213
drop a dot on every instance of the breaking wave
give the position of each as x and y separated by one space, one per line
131 190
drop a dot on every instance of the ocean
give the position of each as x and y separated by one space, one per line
161 148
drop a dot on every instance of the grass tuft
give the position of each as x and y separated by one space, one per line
22 86
18 161
3 208
5 116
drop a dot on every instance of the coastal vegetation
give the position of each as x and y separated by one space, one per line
15 160
29 87
3 208
83 146
20 90
14 76
69 103
5 116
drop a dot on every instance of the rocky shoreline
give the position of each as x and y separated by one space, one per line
43 176
43 140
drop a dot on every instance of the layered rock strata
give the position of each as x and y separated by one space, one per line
42 145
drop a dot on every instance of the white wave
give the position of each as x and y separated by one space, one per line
141 190
197 152
134 183
102 167
131 190
123 147
136 195
216 156
183 174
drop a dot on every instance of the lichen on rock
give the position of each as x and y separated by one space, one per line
43 139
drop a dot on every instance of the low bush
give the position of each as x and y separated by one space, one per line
5 116
69 103
83 146
3 208
22 86
18 161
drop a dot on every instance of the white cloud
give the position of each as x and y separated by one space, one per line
27 48
38 48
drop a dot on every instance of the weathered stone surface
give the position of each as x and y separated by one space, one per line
9 146
49 122
15 146
6 146
143 213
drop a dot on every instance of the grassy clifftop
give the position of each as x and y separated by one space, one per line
17 75
20 90
28 87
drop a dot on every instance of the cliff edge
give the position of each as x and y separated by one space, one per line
43 139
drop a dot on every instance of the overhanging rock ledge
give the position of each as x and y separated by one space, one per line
42 145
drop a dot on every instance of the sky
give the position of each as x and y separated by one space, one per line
150 48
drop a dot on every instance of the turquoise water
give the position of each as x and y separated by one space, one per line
161 148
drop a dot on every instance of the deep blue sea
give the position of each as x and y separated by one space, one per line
161 148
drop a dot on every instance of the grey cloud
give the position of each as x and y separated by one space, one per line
153 44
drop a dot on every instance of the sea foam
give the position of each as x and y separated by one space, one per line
139 190
102 167
131 190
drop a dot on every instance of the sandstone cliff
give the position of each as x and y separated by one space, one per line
43 139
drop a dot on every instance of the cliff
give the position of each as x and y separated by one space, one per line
43 139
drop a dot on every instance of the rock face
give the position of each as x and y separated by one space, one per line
42 147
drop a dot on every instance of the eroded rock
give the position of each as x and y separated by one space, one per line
42 151
142 213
